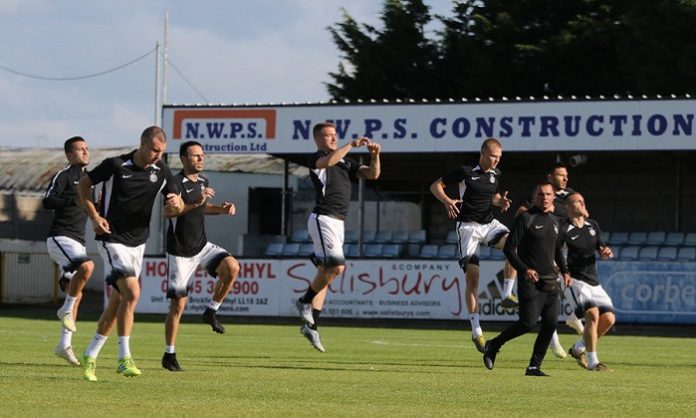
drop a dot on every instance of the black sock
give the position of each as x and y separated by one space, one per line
307 298
315 315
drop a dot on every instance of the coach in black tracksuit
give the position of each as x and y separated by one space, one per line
532 246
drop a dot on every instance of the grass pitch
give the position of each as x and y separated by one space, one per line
271 370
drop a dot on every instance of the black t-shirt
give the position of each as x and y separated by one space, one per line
476 190
186 233
69 217
128 193
333 185
583 243
537 237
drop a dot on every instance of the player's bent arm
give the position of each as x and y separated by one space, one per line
84 189
336 156
372 171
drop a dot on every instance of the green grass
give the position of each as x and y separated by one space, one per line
271 370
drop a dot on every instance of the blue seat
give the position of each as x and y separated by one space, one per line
368 236
648 253
496 254
428 251
675 238
417 237
274 249
391 251
619 238
484 252
291 249
300 235
447 252
307 249
667 253
350 250
383 237
373 250
629 253
690 239
686 254
400 237
637 238
656 238
452 238
350 237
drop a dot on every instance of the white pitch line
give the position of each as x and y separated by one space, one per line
381 342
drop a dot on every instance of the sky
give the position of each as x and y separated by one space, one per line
233 51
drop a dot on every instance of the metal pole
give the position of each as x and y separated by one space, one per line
677 215
361 211
166 58
157 85
283 203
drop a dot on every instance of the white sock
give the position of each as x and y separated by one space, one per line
169 349
475 326
573 322
592 359
579 346
214 305
65 338
555 342
69 303
508 284
95 345
123 347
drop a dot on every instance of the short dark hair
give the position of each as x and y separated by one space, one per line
152 131
68 146
542 184
491 141
183 149
554 166
319 126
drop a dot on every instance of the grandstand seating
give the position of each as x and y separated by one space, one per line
648 253
274 249
496 254
618 238
667 253
400 237
656 238
452 237
629 253
391 251
428 251
690 239
350 237
484 252
373 250
674 238
382 237
447 252
686 254
417 237
300 235
306 249
351 251
637 238
291 249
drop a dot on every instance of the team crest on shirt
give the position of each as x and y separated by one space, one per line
330 246
555 229
492 179
153 178
592 232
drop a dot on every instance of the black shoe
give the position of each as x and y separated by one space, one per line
534 371
169 362
210 318
489 354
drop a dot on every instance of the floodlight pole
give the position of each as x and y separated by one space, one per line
361 210
157 83
165 58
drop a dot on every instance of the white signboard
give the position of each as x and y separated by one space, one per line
407 289
458 127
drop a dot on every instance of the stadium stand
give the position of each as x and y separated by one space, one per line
656 238
392 251
300 235
351 251
638 238
274 249
618 238
373 250
382 237
306 249
485 252
496 254
291 249
428 251
667 253
350 237
690 239
447 252
399 237
686 254
629 253
452 237
648 253
416 237
675 238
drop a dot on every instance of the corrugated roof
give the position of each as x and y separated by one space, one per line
24 169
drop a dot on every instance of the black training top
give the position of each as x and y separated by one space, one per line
128 193
69 217
333 185
476 190
582 243
186 233
538 239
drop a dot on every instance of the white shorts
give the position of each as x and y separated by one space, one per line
327 234
584 296
183 269
120 260
66 252
472 234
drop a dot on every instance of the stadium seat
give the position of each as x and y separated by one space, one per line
619 238
637 238
485 252
667 254
368 236
686 254
648 253
291 249
690 239
274 249
496 254
675 238
306 249
391 251
428 251
606 236
629 253
656 238
351 251
373 250
400 237
447 252
417 237
350 237
452 237
382 237
300 235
